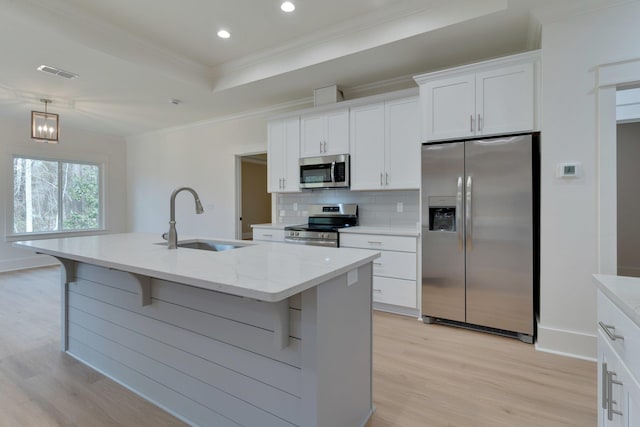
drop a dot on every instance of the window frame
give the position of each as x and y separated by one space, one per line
102 218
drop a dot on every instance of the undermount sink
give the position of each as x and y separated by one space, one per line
206 245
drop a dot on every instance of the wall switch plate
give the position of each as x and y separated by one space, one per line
400 207
283 212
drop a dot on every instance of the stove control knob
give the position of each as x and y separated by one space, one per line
297 233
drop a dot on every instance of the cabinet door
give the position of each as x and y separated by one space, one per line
312 135
402 147
633 403
291 167
448 108
504 100
367 147
276 148
337 133
610 368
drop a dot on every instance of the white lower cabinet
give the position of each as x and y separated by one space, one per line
268 234
618 367
394 273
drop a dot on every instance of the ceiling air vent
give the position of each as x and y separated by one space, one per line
58 72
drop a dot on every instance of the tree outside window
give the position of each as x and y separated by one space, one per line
55 196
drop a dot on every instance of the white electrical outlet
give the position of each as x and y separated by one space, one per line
282 212
400 207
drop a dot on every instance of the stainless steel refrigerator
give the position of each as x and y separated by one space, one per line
479 234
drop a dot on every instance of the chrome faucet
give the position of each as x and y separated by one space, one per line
172 236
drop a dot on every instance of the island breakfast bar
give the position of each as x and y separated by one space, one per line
265 334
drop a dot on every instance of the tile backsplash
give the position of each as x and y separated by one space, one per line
375 208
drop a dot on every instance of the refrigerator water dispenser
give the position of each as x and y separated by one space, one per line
442 214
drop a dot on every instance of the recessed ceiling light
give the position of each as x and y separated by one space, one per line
287 6
224 34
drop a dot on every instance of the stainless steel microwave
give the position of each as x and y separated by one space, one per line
325 172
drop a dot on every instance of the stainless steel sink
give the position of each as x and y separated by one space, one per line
207 245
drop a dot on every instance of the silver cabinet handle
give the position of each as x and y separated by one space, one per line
610 411
321 146
325 146
386 179
479 123
605 385
610 331
377 263
471 123
379 291
459 214
468 213
374 243
381 184
267 235
284 183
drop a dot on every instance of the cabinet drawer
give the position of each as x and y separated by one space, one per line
268 234
400 265
394 291
380 242
628 348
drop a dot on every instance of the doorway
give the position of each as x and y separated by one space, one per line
628 176
614 80
254 200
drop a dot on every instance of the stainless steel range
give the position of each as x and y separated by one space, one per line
323 226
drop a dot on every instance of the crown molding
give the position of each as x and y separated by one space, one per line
258 112
367 33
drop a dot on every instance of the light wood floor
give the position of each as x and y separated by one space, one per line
424 375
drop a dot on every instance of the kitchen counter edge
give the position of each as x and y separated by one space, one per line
623 291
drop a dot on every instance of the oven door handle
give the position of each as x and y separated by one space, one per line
333 172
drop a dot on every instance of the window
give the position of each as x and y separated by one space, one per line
55 196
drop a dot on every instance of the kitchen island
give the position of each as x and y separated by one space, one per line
264 334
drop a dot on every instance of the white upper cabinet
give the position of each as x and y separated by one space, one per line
449 106
490 98
283 155
385 145
325 133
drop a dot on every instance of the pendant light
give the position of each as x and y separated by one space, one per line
44 125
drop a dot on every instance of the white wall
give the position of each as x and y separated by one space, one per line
201 156
571 51
74 145
628 154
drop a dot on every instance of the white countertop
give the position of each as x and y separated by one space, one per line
623 291
392 231
264 271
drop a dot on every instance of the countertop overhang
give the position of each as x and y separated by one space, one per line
264 271
623 291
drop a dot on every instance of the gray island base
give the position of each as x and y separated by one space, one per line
214 358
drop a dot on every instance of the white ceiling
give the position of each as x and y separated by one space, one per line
133 57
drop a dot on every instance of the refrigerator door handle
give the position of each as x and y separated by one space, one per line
468 222
459 214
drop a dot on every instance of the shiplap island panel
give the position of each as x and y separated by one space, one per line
190 331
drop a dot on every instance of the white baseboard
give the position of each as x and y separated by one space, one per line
13 264
567 343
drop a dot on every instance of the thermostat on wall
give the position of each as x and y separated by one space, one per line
569 170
